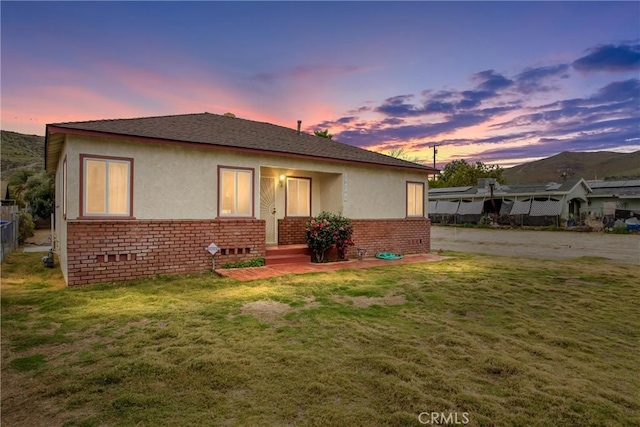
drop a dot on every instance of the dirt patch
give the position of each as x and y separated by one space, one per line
362 302
537 244
53 352
41 237
311 303
44 331
137 324
272 311
266 311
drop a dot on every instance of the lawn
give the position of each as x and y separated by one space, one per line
493 340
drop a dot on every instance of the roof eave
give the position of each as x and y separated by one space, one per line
58 128
52 150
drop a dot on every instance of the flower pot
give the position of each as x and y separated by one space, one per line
331 255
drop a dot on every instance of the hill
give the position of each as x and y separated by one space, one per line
19 151
597 165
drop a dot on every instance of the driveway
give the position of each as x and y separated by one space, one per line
622 248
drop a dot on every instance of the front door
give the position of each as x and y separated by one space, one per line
268 207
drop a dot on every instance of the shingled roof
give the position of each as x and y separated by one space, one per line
233 133
533 189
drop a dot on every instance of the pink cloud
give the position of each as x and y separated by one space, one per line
31 109
117 90
128 92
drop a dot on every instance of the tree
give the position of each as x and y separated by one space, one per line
459 173
18 184
323 134
39 194
402 154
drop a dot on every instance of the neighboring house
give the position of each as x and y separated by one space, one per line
145 196
533 204
618 199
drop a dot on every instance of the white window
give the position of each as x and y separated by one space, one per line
107 187
298 196
415 199
236 192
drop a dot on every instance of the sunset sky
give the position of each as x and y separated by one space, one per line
498 82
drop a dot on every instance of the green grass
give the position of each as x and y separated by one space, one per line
28 363
514 342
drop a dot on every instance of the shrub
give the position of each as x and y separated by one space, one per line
39 193
26 226
328 230
256 262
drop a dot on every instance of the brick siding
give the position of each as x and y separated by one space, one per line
113 251
291 230
404 236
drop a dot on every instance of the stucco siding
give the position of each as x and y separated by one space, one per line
373 193
180 182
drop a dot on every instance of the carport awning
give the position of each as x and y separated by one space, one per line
505 208
446 207
521 207
549 207
472 207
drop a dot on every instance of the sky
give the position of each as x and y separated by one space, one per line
498 82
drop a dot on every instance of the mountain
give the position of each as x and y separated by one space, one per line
19 150
597 165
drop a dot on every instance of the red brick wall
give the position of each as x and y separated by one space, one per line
404 236
112 251
291 230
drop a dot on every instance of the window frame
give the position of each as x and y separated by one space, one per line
286 196
252 207
83 181
416 184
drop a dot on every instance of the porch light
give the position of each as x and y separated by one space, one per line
282 180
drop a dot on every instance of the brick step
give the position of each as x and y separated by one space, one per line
288 250
287 259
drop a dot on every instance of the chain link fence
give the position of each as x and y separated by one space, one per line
9 230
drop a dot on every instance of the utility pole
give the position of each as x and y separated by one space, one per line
435 151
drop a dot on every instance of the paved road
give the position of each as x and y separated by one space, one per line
622 248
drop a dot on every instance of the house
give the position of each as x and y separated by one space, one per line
614 199
527 204
144 196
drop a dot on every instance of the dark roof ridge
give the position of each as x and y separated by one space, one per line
160 116
213 129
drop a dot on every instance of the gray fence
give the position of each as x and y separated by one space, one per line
9 229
